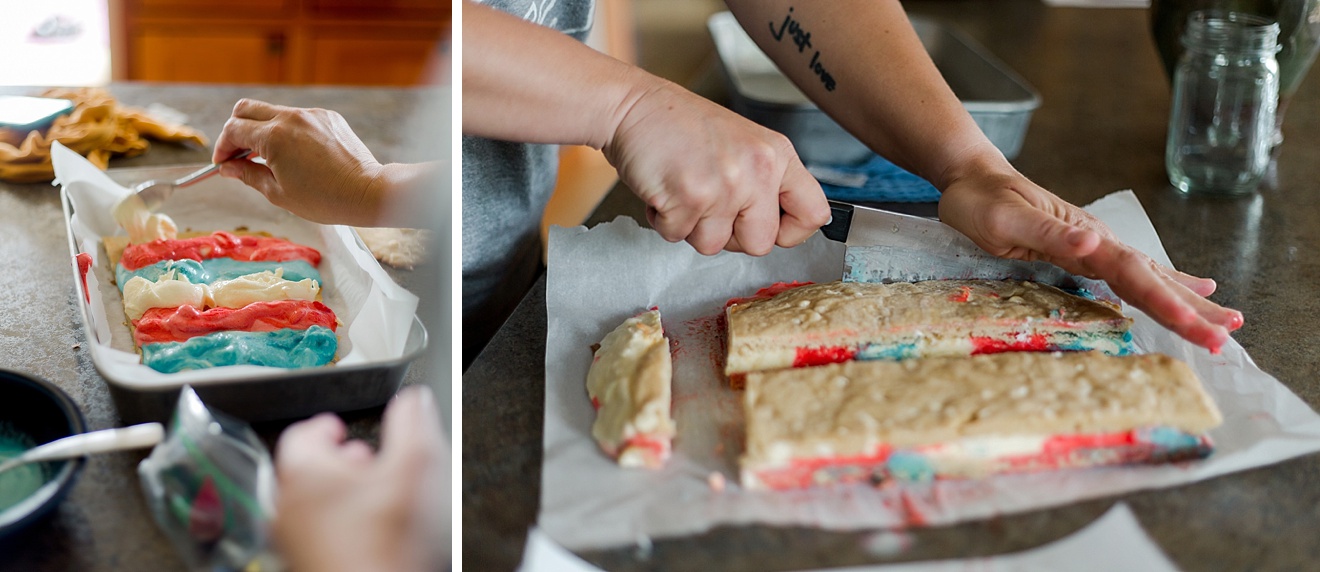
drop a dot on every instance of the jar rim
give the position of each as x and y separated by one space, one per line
1230 29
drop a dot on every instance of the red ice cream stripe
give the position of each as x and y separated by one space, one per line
184 322
218 245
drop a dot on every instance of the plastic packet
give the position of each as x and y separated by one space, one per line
211 487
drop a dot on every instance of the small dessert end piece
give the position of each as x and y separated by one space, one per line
871 421
840 321
629 384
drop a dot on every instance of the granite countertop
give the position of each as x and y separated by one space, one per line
104 524
1101 128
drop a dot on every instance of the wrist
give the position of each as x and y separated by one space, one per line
977 159
638 85
399 192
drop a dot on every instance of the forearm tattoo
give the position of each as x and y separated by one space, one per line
799 36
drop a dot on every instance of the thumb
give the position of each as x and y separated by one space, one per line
259 177
803 203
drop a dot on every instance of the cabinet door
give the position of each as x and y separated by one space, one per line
375 57
215 55
393 9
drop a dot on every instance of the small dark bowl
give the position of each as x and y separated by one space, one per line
45 413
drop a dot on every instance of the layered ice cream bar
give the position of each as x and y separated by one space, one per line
223 298
797 325
629 385
935 418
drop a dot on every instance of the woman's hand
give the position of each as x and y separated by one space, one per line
343 507
707 175
711 177
316 167
1009 216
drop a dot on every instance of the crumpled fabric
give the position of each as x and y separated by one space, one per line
97 128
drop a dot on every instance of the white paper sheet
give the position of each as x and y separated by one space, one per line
376 313
597 278
1115 541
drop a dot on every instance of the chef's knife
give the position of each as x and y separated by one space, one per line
892 247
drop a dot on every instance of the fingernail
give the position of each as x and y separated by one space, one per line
1235 321
1075 237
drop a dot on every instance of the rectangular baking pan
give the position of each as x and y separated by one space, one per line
999 100
277 394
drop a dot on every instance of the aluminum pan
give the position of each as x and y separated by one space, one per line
273 394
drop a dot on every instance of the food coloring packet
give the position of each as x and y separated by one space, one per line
211 487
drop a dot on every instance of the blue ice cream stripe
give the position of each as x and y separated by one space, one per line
1070 342
287 348
211 270
894 351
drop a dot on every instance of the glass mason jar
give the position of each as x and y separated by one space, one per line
1225 95
1299 38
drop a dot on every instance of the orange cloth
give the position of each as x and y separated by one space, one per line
97 128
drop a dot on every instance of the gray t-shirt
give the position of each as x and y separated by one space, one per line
506 185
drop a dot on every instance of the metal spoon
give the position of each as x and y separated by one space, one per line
153 193
105 440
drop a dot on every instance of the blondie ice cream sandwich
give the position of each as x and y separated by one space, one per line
797 325
969 417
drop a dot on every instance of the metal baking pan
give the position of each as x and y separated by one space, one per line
999 100
258 395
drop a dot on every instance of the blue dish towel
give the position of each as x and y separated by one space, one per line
875 180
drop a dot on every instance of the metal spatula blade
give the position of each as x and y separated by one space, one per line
154 193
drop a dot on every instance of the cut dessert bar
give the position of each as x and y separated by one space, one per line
629 384
970 417
813 324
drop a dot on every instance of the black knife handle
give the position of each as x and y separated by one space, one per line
840 221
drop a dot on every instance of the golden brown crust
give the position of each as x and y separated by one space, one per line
849 408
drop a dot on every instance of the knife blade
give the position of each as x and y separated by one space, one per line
890 247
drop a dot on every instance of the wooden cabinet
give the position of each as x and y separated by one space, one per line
369 56
337 42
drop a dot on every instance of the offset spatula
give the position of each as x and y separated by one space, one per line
891 247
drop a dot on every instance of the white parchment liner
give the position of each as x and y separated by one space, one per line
376 313
599 277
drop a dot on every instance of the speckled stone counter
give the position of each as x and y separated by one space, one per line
104 525
1101 129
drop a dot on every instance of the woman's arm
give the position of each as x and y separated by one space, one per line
707 175
863 64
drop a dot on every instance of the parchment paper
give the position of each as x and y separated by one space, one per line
375 312
599 277
1115 541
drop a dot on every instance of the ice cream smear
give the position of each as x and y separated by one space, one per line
171 290
143 226
19 482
